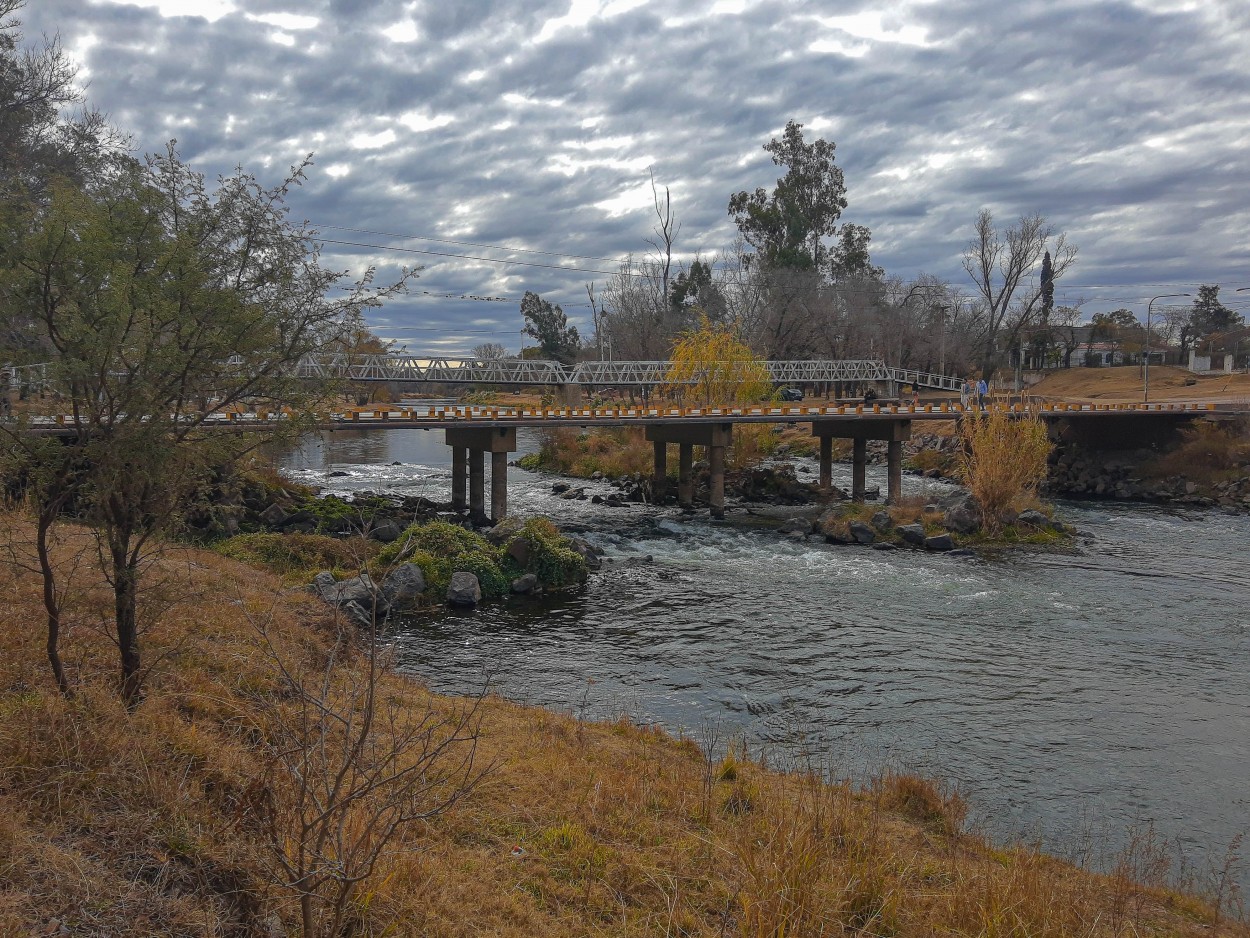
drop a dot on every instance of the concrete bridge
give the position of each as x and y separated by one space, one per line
474 431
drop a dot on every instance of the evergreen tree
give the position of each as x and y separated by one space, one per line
548 325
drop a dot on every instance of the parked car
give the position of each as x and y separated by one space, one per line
792 394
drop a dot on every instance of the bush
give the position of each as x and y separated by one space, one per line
299 556
1003 462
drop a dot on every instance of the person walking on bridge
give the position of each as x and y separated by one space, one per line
965 393
983 392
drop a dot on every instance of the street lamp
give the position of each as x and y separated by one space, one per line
1146 364
942 342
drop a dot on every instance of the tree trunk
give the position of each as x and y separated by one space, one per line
125 611
51 604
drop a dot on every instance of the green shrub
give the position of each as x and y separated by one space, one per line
550 556
298 556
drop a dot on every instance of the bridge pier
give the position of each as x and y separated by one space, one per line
459 478
685 465
659 475
477 442
860 430
716 437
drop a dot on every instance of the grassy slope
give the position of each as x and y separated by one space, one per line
1124 384
142 824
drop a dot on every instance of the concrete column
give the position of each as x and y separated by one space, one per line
685 464
716 489
894 471
859 463
659 477
477 485
498 486
459 477
826 462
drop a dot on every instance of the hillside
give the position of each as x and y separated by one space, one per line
1124 384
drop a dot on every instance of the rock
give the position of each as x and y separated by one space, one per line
873 493
912 534
463 590
838 539
961 552
1033 518
596 475
386 532
883 522
359 614
884 545
519 549
596 499
932 508
402 585
795 525
962 518
593 558
337 474
525 584
862 533
559 488
357 589
274 515
939 542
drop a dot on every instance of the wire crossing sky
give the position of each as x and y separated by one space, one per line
485 131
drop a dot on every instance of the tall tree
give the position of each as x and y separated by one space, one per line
158 304
548 325
1209 315
1000 264
786 226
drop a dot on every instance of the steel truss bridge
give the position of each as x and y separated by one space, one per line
410 368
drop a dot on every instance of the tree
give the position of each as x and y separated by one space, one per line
547 324
1000 264
849 259
158 305
1209 316
490 352
786 227
717 367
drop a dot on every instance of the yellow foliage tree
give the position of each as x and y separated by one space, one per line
1004 461
711 365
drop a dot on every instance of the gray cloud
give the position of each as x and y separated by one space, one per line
1124 122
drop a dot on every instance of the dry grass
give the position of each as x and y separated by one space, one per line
1003 463
145 823
1208 453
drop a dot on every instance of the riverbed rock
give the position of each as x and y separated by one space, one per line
463 590
519 549
403 586
387 532
274 515
883 522
884 545
356 589
1033 518
795 525
912 534
525 584
863 533
939 542
963 518
592 556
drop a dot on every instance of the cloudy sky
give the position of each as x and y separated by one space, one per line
524 130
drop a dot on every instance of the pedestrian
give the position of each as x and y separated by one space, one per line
915 395
965 393
983 392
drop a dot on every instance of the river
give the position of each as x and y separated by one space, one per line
1069 696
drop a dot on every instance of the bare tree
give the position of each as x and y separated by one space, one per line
1001 265
348 767
490 352
665 234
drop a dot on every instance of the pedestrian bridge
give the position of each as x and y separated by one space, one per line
512 371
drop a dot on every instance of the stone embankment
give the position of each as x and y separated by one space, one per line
1085 473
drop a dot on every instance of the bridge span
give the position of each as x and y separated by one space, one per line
519 371
472 431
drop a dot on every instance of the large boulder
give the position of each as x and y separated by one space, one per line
356 589
463 590
883 522
1033 518
525 584
387 532
939 542
274 515
912 534
592 556
520 550
863 533
963 517
403 585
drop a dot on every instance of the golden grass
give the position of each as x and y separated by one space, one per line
144 823
1003 463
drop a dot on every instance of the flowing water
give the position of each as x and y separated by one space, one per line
1069 695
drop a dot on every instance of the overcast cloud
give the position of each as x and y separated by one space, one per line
533 125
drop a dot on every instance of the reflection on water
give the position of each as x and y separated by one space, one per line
1102 687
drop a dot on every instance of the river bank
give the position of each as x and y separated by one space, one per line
577 827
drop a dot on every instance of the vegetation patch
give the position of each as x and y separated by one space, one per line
299 557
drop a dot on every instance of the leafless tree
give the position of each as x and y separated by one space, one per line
490 352
347 767
1001 265
665 234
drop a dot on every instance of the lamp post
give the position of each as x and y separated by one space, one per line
1238 350
942 341
1146 362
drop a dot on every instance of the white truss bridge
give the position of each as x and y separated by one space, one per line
410 368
